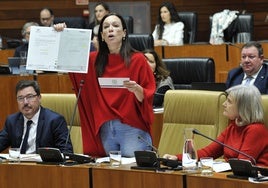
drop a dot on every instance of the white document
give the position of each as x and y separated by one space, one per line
112 82
221 166
124 160
64 51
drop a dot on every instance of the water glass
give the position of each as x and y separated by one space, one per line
115 158
206 166
14 155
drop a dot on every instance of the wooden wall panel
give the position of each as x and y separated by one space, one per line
13 14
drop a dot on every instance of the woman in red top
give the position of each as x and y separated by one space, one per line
246 131
115 118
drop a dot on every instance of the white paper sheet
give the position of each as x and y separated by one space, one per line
112 82
65 51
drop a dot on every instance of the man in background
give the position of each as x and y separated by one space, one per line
252 69
34 126
46 17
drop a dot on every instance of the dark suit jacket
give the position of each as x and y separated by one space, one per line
235 77
51 130
23 47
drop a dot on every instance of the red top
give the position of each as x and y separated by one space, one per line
98 105
250 139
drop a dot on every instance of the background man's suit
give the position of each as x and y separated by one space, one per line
235 77
51 130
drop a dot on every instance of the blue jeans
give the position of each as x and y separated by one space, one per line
118 136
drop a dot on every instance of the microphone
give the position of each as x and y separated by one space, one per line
174 164
74 112
227 146
76 157
148 144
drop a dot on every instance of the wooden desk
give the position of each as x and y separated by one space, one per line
220 180
124 177
4 54
217 52
30 175
226 57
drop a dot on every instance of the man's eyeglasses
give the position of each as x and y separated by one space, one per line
29 98
45 19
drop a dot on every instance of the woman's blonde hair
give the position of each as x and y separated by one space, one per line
249 104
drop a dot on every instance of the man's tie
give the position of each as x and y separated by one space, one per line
25 140
248 79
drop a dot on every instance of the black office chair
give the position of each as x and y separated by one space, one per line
129 23
244 28
184 71
240 30
190 26
72 22
141 42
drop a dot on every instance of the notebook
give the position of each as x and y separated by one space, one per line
16 66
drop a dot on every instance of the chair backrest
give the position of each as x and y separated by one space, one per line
141 42
240 30
72 22
64 104
265 108
129 23
190 26
184 71
197 109
244 28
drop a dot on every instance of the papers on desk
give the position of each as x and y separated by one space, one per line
65 51
25 157
220 166
124 160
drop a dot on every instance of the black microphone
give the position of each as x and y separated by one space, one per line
174 164
148 144
227 146
74 113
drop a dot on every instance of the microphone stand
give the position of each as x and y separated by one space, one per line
74 112
240 167
229 147
75 157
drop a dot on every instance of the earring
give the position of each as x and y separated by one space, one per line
102 39
124 38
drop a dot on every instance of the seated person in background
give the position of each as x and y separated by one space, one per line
25 32
252 70
169 30
100 10
95 42
46 17
161 75
243 107
46 128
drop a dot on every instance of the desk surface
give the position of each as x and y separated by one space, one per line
220 180
31 175
124 177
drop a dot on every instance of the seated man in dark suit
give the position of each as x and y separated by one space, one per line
252 70
25 32
34 126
